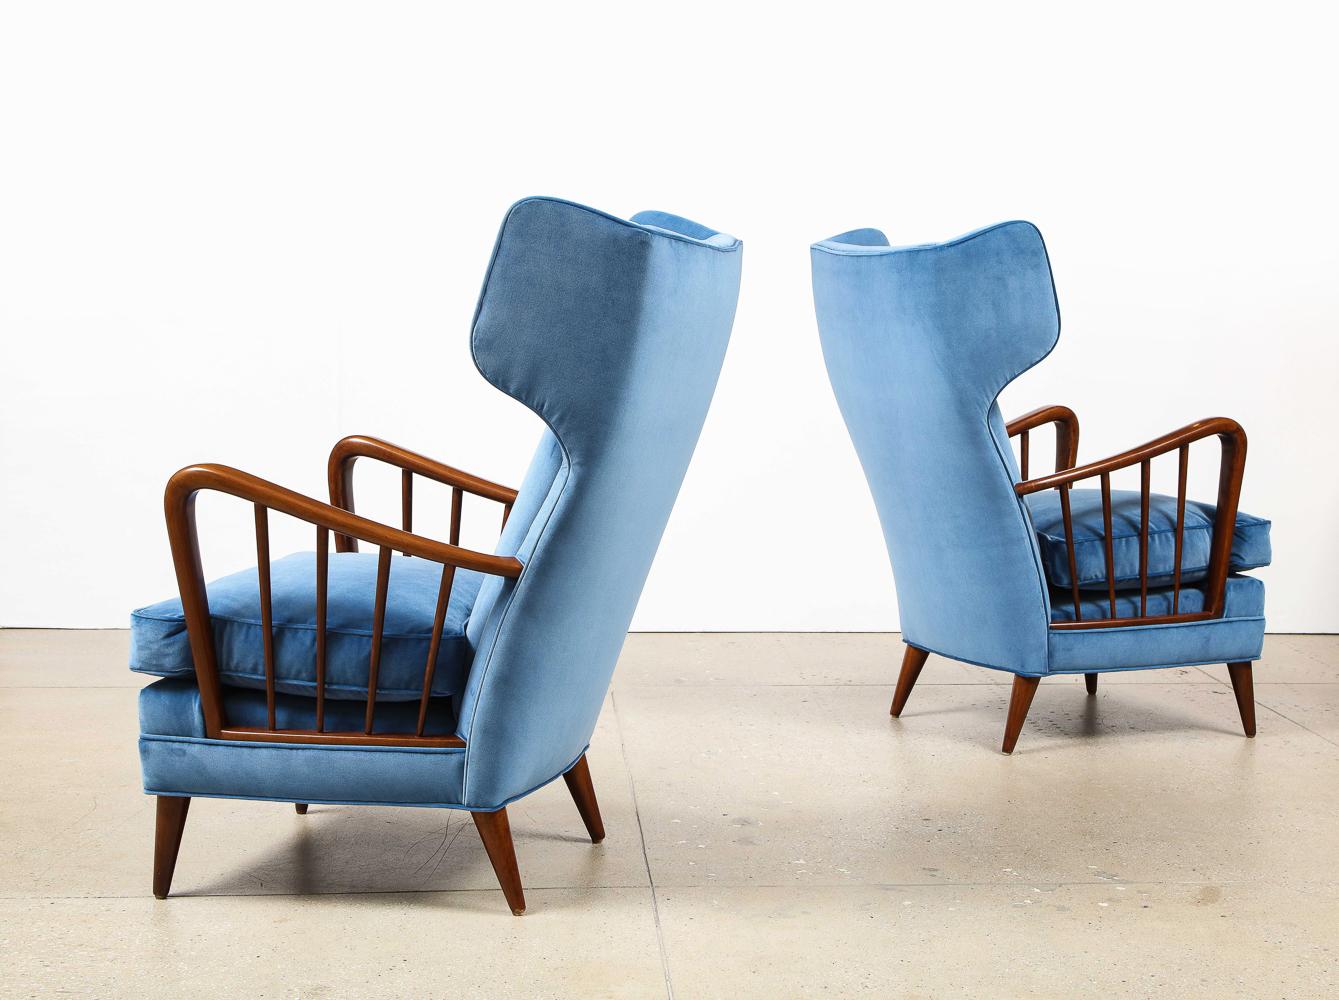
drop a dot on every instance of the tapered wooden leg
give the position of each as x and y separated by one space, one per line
495 832
583 794
301 807
1019 703
1090 680
167 840
913 660
1244 688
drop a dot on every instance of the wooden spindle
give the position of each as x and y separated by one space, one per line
322 582
506 513
1110 556
457 498
407 501
378 623
1145 474
266 609
1023 453
1181 474
438 621
1069 549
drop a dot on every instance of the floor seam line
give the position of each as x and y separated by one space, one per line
646 860
1299 725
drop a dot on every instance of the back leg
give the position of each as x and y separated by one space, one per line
583 794
1019 702
913 661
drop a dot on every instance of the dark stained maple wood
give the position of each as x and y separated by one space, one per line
266 605
347 451
301 807
407 501
1090 682
322 588
1020 700
1145 477
495 832
169 825
1244 688
913 661
457 498
1069 549
438 621
583 794
1232 440
378 625
1183 471
1022 453
256 734
1107 541
1066 434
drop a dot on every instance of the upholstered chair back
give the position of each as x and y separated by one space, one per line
919 342
613 332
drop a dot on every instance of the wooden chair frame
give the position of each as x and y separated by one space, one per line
349 528
1232 464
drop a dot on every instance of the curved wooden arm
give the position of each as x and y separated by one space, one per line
179 507
1066 435
1232 465
182 487
1234 446
339 472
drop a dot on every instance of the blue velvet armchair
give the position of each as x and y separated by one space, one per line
1030 576
453 679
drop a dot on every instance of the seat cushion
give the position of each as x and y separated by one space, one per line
159 644
1250 540
1244 597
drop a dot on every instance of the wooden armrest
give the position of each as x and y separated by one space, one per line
180 499
348 450
179 507
1232 465
1066 435
1233 437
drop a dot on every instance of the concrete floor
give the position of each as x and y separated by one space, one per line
772 833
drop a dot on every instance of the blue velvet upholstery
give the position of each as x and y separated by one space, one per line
613 332
1250 540
919 342
160 646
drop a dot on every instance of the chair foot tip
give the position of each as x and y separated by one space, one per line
518 911
160 895
597 840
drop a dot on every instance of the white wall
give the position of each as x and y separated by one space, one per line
235 232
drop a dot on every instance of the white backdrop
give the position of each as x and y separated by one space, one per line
235 232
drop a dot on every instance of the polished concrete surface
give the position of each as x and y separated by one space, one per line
771 833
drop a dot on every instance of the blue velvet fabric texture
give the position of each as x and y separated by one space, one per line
1250 540
614 333
919 341
160 646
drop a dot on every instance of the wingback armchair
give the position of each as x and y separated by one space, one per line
1028 575
453 678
